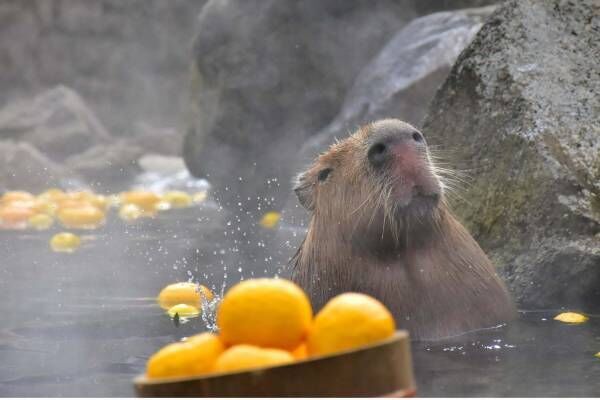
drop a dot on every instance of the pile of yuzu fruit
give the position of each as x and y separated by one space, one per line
269 322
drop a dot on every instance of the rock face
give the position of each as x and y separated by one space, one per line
267 75
399 82
108 167
63 130
23 167
519 115
129 59
166 141
57 122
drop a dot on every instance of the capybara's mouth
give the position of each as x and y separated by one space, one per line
420 205
411 194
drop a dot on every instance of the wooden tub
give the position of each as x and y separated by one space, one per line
381 369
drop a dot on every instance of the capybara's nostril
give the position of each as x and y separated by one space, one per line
417 137
378 154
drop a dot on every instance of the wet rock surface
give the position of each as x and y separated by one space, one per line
519 114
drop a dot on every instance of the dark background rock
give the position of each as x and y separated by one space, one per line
159 140
430 6
128 59
23 167
57 122
114 166
110 167
520 115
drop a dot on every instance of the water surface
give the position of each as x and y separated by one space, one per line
84 324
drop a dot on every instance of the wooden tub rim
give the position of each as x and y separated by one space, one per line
142 379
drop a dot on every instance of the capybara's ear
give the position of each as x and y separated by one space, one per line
303 187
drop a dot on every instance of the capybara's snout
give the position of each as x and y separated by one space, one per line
394 142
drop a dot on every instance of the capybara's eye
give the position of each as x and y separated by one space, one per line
324 173
417 137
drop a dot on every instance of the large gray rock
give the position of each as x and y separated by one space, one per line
115 165
108 167
399 82
23 167
268 74
165 141
520 114
57 122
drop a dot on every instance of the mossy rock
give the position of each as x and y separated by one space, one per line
519 116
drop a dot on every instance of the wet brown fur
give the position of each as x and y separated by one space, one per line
371 233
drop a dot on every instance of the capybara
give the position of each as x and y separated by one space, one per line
380 224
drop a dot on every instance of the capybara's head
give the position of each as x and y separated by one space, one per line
378 184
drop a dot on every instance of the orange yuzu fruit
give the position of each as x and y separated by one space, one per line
348 321
194 356
244 357
265 312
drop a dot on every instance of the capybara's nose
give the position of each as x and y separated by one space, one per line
379 153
